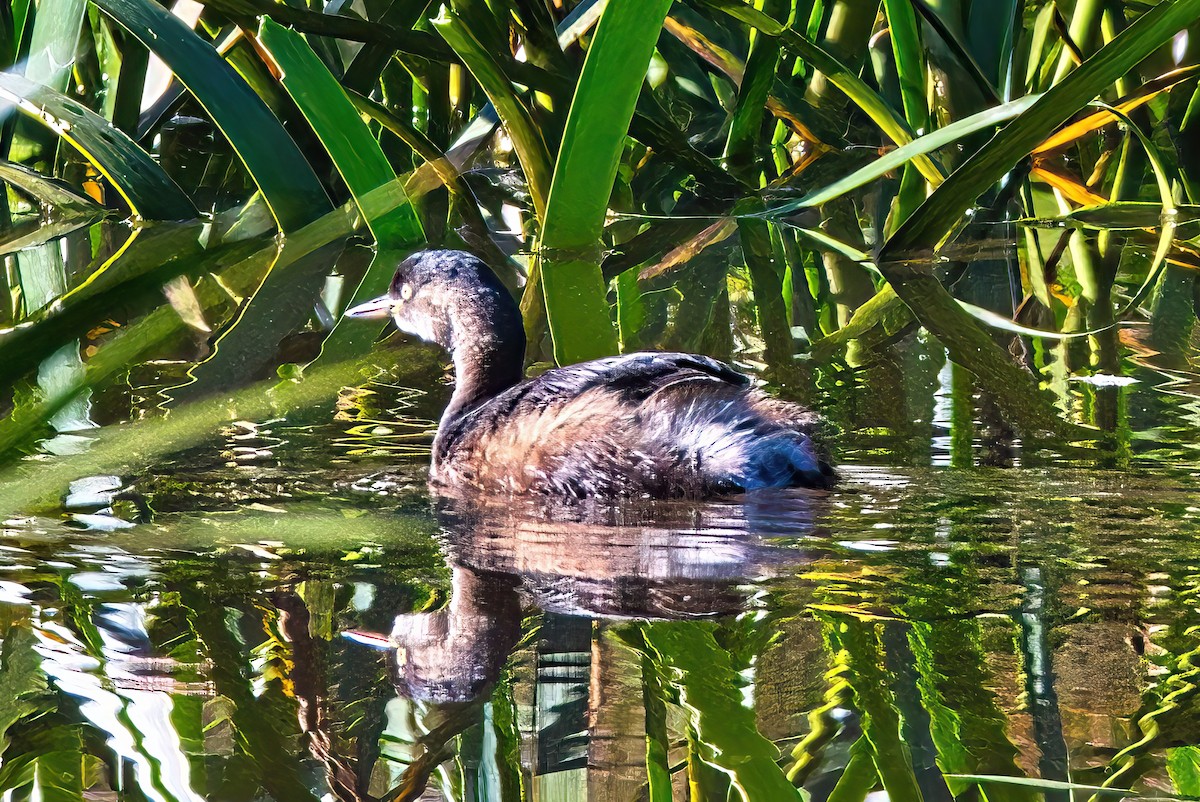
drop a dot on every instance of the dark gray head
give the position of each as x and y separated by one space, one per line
450 298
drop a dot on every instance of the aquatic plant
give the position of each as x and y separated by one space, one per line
815 175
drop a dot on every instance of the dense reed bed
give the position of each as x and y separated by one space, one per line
794 182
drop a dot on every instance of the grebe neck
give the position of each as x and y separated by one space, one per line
488 359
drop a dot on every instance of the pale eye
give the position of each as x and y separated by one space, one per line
405 292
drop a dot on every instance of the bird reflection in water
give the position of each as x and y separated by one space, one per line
551 584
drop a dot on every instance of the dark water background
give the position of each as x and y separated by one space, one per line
282 612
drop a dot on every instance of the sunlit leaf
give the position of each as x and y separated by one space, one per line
839 74
49 191
270 155
904 154
940 212
592 142
527 138
362 165
132 172
1071 188
1142 96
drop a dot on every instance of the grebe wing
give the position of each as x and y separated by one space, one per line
632 377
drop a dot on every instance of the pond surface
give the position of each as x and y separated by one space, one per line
281 612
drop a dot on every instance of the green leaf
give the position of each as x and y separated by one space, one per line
30 233
1166 234
908 54
273 160
910 60
859 776
592 143
995 321
49 191
133 342
139 179
959 782
54 763
746 122
526 136
902 155
287 182
346 138
21 677
1183 765
150 256
941 212
1118 216
962 52
52 44
361 163
838 74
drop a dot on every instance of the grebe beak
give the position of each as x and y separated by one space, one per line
378 309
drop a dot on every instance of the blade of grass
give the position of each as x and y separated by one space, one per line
592 143
942 210
364 69
1146 93
239 278
55 36
49 191
285 178
902 155
960 51
995 321
31 233
1117 216
1071 188
748 112
909 57
1013 388
141 182
1169 214
272 158
361 163
1038 37
960 782
859 776
526 136
758 250
380 31
573 26
838 74
875 701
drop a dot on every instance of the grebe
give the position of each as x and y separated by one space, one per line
651 424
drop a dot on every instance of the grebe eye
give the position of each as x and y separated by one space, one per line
405 292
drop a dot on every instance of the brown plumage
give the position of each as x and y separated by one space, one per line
654 424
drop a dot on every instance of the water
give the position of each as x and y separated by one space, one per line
281 612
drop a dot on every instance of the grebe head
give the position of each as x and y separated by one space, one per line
453 299
450 298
